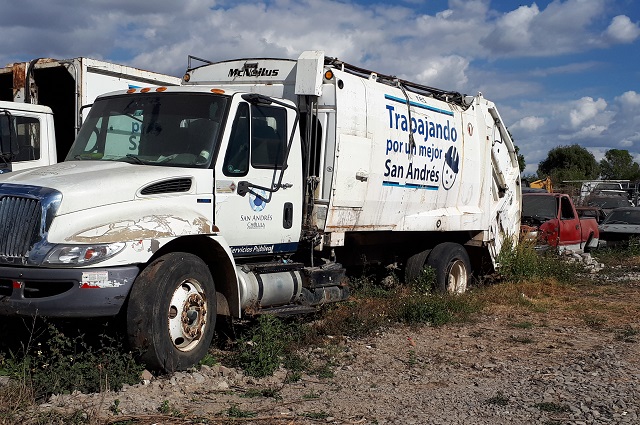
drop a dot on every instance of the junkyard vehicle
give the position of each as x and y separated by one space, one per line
544 184
620 226
65 86
551 221
609 201
249 189
593 212
23 128
596 187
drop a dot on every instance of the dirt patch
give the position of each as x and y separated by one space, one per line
539 353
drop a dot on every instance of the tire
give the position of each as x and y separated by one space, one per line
587 247
171 314
415 266
452 266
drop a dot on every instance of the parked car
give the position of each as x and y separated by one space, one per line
621 225
609 202
593 212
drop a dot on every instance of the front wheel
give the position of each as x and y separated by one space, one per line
452 266
171 312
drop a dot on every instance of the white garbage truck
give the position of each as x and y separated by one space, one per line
251 188
65 86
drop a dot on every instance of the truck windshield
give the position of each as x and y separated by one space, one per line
155 129
543 207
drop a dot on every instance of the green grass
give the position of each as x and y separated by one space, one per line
235 412
523 263
57 360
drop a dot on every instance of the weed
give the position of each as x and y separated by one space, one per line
14 398
164 407
627 334
235 412
552 407
425 282
593 321
115 407
311 395
620 254
435 309
167 409
499 399
76 417
356 318
293 377
57 361
521 339
262 351
413 360
264 392
523 263
208 360
315 415
324 371
522 325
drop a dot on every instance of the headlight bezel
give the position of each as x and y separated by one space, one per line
81 255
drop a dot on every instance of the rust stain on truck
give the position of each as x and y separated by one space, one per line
19 71
149 227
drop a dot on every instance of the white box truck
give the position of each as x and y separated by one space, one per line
249 189
65 86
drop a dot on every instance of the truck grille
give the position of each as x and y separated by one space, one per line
20 220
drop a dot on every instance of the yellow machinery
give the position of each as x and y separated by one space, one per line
542 184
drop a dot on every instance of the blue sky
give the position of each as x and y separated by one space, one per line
561 72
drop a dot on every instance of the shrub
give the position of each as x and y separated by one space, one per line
262 351
522 263
53 362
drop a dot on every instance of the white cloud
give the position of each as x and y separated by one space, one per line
584 110
622 30
629 100
529 123
563 26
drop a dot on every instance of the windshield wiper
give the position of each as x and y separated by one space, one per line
136 159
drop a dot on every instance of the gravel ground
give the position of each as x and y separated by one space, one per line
506 367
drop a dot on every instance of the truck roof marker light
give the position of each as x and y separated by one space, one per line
145 90
131 91
186 78
161 89
217 91
328 74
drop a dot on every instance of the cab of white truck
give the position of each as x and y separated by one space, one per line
27 135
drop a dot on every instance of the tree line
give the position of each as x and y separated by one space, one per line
576 163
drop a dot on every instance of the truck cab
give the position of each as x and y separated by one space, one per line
27 136
550 220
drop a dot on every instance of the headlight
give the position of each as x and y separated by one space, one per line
82 255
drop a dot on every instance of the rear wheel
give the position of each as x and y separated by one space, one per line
415 266
452 266
171 313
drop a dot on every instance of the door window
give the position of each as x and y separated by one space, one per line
268 136
27 134
236 160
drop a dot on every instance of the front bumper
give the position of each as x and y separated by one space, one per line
53 292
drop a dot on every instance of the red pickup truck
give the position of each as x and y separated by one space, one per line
552 220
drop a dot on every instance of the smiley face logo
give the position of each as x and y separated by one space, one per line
258 200
450 168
